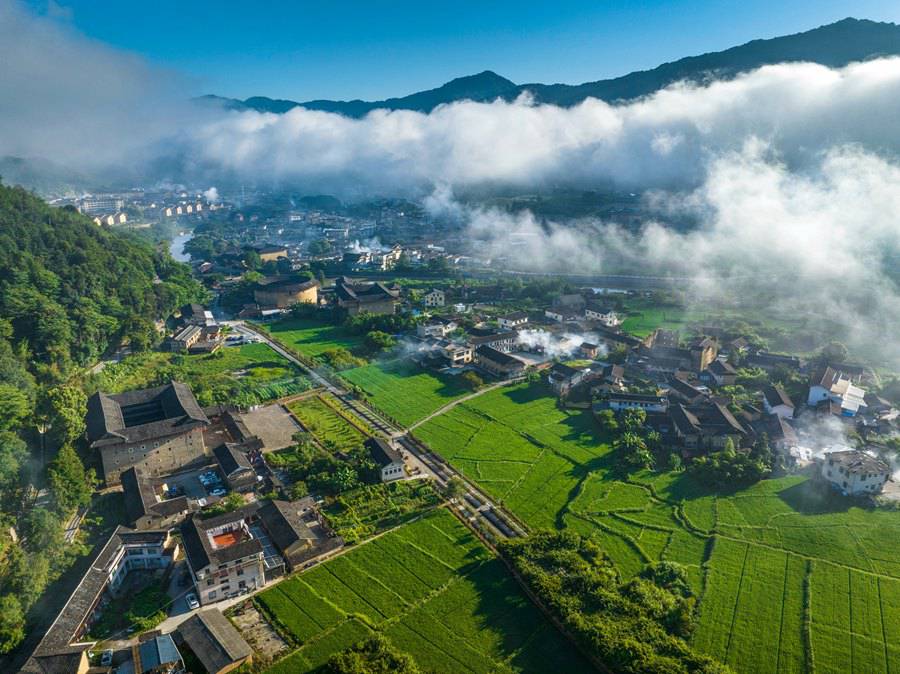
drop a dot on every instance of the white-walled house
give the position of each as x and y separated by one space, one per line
391 462
777 401
855 473
435 298
602 314
834 385
517 319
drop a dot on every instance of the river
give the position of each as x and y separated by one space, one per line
177 246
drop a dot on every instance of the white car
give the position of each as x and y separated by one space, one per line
106 658
191 600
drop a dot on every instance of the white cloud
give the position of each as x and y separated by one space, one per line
663 140
790 171
822 245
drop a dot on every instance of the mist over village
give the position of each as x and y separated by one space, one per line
372 339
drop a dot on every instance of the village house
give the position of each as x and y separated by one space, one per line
271 253
681 391
184 339
572 301
662 338
442 353
720 373
434 298
513 321
235 466
144 509
298 531
214 640
777 401
828 385
706 426
196 314
504 341
772 361
614 374
386 260
589 350
780 432
602 314
373 298
388 459
63 646
614 338
456 354
562 314
665 359
498 363
282 293
563 378
159 430
156 655
436 327
111 219
703 353
619 402
224 556
855 473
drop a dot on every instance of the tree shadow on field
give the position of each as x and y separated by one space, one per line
813 497
522 395
514 621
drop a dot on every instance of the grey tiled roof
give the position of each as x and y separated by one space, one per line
165 410
214 640
382 452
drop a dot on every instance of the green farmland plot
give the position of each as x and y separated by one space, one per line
433 589
312 338
403 390
789 577
329 427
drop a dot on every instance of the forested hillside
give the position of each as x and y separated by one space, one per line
68 291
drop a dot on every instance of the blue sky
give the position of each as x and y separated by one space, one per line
376 49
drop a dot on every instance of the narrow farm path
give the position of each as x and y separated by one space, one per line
456 402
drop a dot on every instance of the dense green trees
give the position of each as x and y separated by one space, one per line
69 290
65 409
636 445
70 483
472 380
730 468
376 340
320 470
637 626
12 623
375 655
68 287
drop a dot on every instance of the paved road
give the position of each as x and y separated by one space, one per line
474 503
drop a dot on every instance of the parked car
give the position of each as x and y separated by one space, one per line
217 491
106 658
191 600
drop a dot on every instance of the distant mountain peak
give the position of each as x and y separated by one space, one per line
834 45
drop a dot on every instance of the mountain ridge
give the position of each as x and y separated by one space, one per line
834 45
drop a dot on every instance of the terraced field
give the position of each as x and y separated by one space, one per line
403 390
791 578
434 590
